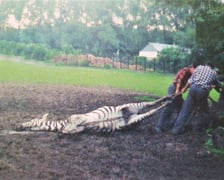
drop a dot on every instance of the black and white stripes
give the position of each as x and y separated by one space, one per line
107 118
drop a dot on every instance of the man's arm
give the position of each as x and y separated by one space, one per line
184 89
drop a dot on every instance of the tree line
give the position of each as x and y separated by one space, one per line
116 29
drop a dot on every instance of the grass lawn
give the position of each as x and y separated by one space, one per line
42 73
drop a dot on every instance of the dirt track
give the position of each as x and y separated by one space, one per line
132 154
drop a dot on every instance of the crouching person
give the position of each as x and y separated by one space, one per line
179 85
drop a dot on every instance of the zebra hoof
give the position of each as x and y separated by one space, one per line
20 128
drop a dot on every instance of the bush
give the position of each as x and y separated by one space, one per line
84 63
30 51
107 66
172 59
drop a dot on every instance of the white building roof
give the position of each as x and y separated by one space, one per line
152 49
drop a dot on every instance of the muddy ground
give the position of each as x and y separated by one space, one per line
138 153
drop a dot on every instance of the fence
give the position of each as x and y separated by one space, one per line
137 63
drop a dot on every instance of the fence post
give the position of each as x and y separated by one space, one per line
145 64
128 63
154 64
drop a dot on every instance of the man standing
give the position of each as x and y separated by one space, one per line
178 85
201 82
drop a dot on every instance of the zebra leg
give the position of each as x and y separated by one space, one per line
138 117
158 101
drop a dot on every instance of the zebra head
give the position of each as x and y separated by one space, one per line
75 124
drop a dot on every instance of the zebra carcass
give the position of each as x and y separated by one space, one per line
106 118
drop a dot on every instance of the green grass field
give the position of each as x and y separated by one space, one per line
21 72
39 73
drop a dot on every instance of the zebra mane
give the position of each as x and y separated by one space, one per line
104 119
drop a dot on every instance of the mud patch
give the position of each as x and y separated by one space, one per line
136 153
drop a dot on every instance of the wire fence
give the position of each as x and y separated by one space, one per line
137 63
